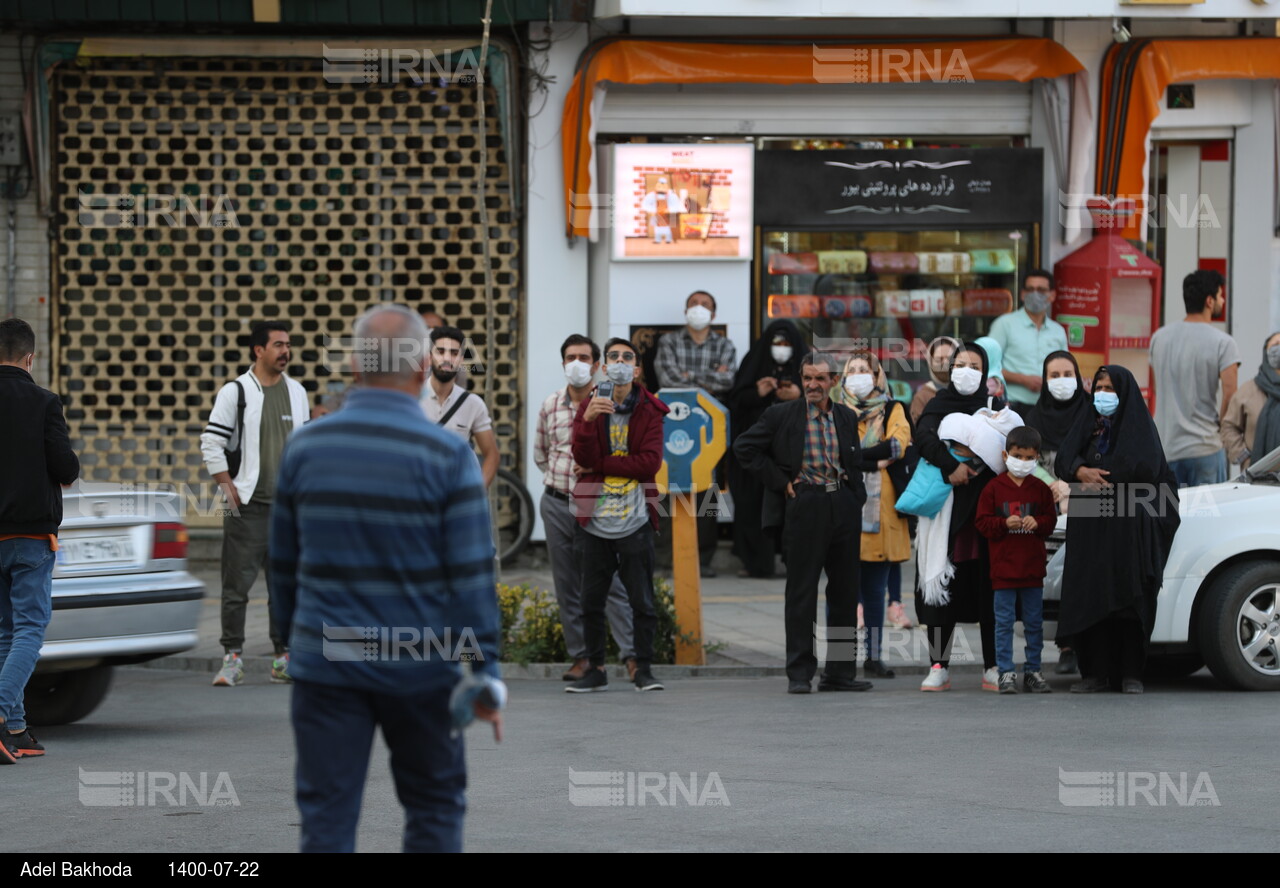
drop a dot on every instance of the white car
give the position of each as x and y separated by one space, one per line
121 595
1219 604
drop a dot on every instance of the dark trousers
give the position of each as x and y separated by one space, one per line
244 555
874 579
333 732
967 581
756 549
823 531
1116 649
631 558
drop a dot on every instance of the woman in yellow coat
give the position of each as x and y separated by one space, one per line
885 435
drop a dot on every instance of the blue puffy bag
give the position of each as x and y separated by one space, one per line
926 492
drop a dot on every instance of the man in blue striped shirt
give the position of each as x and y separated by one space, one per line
382 569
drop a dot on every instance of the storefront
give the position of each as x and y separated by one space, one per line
887 249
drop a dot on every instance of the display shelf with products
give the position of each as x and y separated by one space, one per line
892 291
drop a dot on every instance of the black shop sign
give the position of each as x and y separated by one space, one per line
929 188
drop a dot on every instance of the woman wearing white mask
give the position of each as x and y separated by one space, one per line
970 597
770 374
884 434
1251 428
1115 556
1062 398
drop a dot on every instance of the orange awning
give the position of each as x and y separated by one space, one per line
1134 78
784 61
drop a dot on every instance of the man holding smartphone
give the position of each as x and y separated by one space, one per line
617 443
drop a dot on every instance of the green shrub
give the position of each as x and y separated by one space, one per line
531 630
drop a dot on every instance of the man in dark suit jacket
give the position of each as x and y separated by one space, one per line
807 453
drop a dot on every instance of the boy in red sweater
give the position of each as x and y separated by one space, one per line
1016 513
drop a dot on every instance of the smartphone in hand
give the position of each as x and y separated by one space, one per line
604 389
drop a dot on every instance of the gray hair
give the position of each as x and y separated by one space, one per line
816 358
390 345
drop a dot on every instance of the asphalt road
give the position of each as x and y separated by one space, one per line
888 770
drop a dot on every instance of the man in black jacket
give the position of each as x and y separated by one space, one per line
35 458
806 452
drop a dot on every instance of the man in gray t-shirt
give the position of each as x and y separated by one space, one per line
1190 359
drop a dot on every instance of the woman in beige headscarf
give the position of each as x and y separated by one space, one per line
884 434
940 352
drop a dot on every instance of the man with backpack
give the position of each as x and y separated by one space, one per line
454 408
252 417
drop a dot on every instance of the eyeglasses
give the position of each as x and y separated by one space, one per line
627 357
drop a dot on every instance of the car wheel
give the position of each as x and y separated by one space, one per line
1172 666
60 698
1240 627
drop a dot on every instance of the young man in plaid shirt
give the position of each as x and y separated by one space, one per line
553 454
698 357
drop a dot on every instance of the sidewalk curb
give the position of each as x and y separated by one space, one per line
553 671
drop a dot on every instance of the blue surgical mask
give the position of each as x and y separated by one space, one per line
958 457
1106 402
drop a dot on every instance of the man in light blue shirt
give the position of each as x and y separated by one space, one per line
1027 336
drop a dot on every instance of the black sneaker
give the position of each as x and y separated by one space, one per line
594 680
26 744
9 754
646 682
1034 683
1008 683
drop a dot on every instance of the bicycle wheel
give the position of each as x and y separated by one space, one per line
512 515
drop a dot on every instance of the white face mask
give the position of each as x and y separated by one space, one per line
781 353
698 317
578 373
859 384
966 380
1019 468
620 373
1062 388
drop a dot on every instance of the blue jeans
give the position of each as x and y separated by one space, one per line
1032 598
26 596
1197 470
333 730
874 578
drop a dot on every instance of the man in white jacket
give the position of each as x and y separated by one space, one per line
250 421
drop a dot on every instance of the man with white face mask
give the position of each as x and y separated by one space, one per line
1027 336
698 357
553 454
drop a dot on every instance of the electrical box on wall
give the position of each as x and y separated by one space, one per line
10 140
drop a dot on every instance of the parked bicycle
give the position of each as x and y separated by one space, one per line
513 515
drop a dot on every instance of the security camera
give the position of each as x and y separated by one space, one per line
1119 33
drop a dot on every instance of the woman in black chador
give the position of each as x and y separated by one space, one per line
769 373
1119 531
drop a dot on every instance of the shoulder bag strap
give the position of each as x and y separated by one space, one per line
454 409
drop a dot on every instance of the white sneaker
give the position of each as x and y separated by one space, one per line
938 679
231 673
991 679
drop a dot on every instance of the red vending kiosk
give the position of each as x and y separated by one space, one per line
1108 298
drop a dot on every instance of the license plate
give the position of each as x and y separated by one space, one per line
81 551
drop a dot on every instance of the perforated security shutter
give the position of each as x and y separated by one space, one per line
947 109
339 197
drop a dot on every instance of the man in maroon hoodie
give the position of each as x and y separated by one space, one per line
1016 513
617 443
